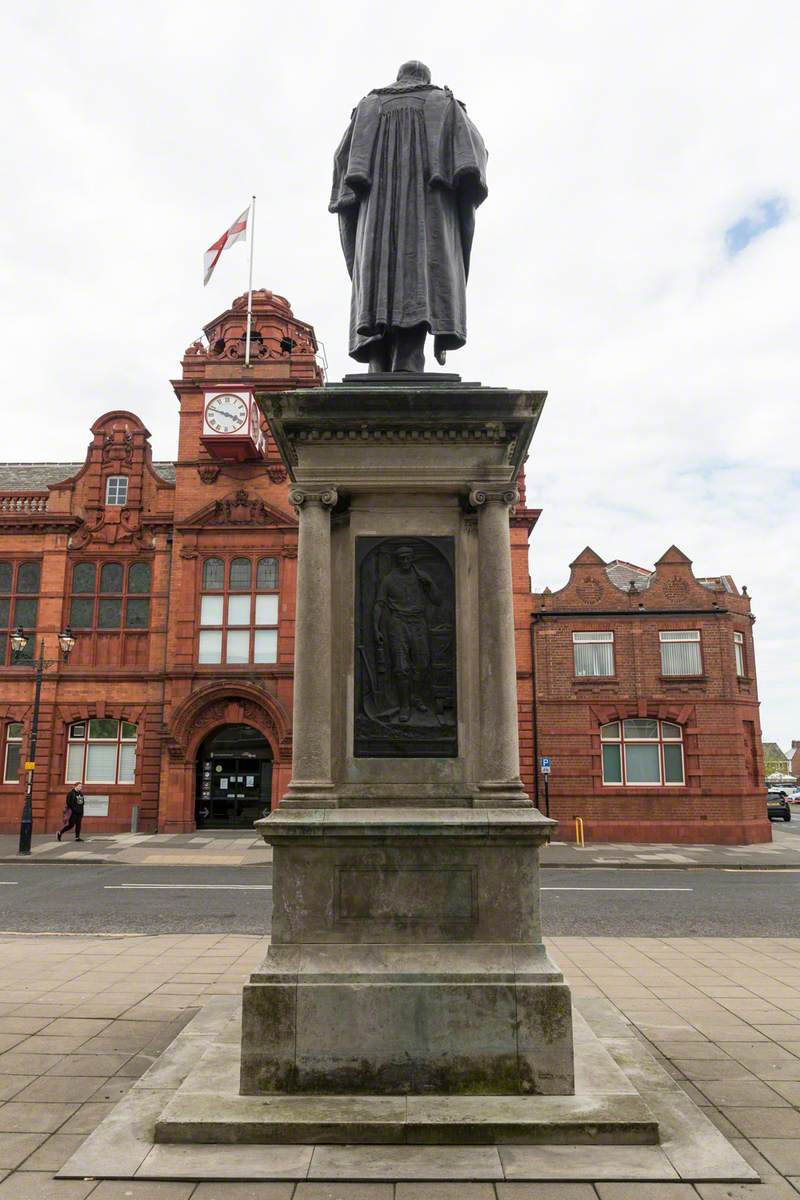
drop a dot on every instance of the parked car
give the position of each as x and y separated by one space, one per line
778 806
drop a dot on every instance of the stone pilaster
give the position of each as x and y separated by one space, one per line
499 775
312 785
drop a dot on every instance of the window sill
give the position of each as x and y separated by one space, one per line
683 678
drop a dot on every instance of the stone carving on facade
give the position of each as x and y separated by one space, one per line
289 552
118 447
113 527
208 472
405 703
277 472
240 509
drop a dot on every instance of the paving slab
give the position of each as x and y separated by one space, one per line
40 1185
16 1147
444 1191
257 1191
584 1162
226 1162
545 1191
405 1162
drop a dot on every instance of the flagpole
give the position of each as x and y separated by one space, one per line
250 284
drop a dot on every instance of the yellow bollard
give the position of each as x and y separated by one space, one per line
579 839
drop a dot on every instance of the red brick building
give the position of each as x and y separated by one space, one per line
178 582
645 702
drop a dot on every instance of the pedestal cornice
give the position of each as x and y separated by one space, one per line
378 437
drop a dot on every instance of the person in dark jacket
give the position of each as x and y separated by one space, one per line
75 806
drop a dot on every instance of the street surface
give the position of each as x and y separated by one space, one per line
584 902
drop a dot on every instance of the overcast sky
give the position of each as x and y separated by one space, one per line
638 255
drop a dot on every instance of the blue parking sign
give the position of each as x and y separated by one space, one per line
546 765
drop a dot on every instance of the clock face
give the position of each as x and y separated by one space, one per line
226 413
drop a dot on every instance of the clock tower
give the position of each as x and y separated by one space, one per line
229 644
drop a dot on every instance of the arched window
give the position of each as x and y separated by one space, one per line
240 575
101 750
116 599
267 575
642 752
213 575
19 605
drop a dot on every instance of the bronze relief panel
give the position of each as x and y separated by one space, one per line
405 653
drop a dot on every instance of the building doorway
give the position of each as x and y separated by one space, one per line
234 779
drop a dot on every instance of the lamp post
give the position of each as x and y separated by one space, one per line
19 640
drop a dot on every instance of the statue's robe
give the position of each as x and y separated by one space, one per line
408 176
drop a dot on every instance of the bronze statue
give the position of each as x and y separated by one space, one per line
408 176
401 622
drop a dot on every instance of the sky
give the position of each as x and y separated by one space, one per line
637 257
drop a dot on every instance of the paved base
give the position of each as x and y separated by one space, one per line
609 1055
607 1110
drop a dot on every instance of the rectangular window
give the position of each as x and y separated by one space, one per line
239 624
593 653
211 610
265 649
210 646
673 764
641 763
680 652
738 650
237 648
117 489
13 753
612 764
101 762
102 750
75 754
127 762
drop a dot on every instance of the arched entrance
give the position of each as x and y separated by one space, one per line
234 778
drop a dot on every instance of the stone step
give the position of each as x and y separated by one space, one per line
208 1117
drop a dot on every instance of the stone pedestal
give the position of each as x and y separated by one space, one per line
406 953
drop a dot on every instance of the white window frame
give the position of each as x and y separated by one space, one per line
229 631
86 741
681 637
738 654
16 742
118 485
658 740
604 637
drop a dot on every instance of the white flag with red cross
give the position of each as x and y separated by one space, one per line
236 233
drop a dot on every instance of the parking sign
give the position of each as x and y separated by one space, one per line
545 765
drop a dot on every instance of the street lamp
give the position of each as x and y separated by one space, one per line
19 640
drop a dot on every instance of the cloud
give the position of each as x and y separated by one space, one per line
763 216
624 142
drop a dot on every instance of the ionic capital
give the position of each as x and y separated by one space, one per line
326 496
483 493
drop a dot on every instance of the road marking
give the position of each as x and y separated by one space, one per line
181 887
615 889
8 882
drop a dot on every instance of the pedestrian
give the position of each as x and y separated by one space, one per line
74 806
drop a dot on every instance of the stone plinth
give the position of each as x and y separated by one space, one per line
406 957
406 954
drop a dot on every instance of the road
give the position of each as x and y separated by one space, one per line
584 902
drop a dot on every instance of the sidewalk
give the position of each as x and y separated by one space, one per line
81 1018
215 848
